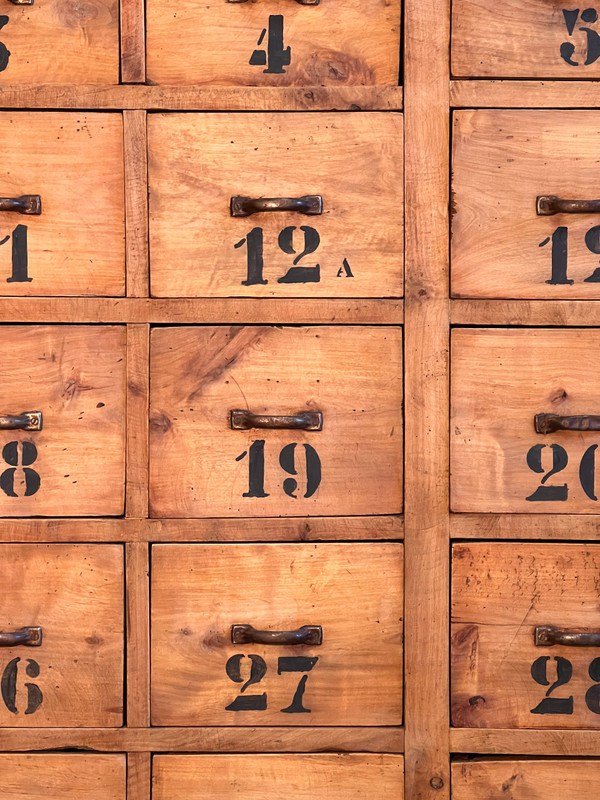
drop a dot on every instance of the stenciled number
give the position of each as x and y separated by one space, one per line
287 461
258 670
567 49
19 262
8 686
275 57
4 51
10 454
560 255
560 459
564 673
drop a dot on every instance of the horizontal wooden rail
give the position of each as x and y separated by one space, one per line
525 742
538 313
524 94
577 527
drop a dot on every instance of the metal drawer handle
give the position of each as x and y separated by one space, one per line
243 420
547 205
30 637
26 204
244 206
307 634
302 2
549 423
548 635
25 421
21 2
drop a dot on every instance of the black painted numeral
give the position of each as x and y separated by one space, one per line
560 255
297 664
567 49
287 461
560 460
276 56
4 51
258 670
564 673
8 686
20 260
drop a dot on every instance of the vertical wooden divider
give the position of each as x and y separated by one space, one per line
427 310
138 389
136 203
133 41
139 776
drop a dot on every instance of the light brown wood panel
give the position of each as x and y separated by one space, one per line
502 161
524 94
534 313
61 41
138 390
198 162
525 526
136 202
500 594
331 43
75 594
74 375
353 591
524 742
74 162
536 39
200 467
63 776
137 601
525 779
133 41
276 777
501 379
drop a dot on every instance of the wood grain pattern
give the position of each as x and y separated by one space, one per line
74 161
199 374
524 742
358 677
62 41
139 776
532 313
136 203
500 380
525 526
138 390
502 161
74 375
75 593
524 94
63 776
332 777
133 41
332 43
198 162
137 604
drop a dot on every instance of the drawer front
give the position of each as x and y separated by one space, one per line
206 461
349 596
74 376
274 43
60 41
525 635
506 243
524 424
74 243
525 779
256 777
61 640
199 162
536 39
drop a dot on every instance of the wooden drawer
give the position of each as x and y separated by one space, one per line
502 246
60 41
63 776
536 39
200 466
199 162
255 777
75 376
66 605
525 779
72 161
275 43
349 594
501 381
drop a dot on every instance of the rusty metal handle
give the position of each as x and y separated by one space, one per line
302 2
30 637
26 204
549 423
548 204
245 206
243 420
307 634
25 421
21 2
548 635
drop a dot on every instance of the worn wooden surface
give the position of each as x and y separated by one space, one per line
332 777
353 591
525 742
524 94
533 313
212 43
502 161
75 593
74 161
198 162
136 203
76 377
63 776
199 466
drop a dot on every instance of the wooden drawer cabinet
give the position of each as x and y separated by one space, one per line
211 236
516 232
63 776
59 41
61 639
270 421
277 777
62 229
525 779
524 420
277 634
274 43
70 459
